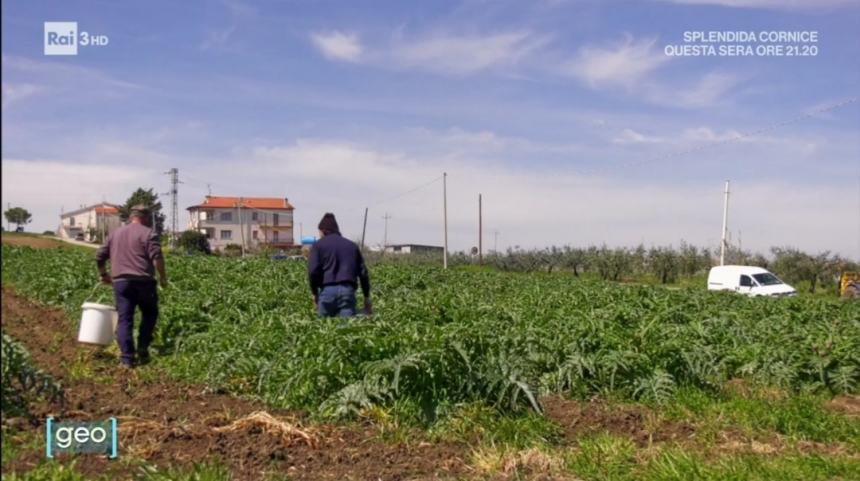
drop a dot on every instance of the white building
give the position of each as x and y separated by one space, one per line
412 249
90 223
254 221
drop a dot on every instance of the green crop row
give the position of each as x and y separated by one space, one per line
22 383
439 338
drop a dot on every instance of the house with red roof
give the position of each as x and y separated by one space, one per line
250 221
91 223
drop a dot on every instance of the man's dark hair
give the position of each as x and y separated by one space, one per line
328 224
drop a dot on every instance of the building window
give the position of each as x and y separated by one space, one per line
210 232
254 235
254 216
226 217
274 236
71 221
226 234
275 219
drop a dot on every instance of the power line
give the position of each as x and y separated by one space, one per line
405 193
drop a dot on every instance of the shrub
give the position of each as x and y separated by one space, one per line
22 382
192 241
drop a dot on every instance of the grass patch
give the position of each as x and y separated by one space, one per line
197 472
604 457
479 423
798 416
610 458
676 465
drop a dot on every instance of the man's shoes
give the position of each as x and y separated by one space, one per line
143 357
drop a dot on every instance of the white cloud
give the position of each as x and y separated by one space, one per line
533 206
44 187
217 38
703 137
465 54
709 90
530 205
442 53
632 65
240 9
630 136
63 73
771 4
706 134
16 92
337 45
624 64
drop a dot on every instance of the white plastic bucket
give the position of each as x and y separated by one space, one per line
98 323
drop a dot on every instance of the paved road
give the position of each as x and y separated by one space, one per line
77 243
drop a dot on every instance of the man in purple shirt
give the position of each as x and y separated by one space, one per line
134 252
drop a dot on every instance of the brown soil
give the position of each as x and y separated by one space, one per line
848 405
31 240
167 423
639 424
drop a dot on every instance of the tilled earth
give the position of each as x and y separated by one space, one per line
167 423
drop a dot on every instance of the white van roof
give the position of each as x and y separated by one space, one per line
739 269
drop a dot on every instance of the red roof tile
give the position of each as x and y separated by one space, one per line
213 201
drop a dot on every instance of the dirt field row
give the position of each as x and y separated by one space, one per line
168 423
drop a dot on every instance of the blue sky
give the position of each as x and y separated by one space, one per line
567 115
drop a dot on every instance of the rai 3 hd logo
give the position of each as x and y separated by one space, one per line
63 38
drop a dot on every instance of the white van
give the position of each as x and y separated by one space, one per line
748 280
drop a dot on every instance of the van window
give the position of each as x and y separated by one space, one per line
746 281
767 279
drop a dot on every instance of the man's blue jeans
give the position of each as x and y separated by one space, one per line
337 301
131 294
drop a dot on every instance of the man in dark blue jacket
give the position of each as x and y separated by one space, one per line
333 267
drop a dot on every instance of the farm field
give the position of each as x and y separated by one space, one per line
495 375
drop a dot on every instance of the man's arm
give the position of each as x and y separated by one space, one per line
162 271
364 279
315 272
363 276
153 249
102 256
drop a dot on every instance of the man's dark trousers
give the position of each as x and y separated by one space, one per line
130 294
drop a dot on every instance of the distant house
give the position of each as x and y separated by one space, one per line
412 249
89 223
256 221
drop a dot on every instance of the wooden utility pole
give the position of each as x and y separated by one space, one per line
241 226
723 241
480 232
364 228
385 235
445 218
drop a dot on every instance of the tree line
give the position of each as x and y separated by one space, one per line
662 264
